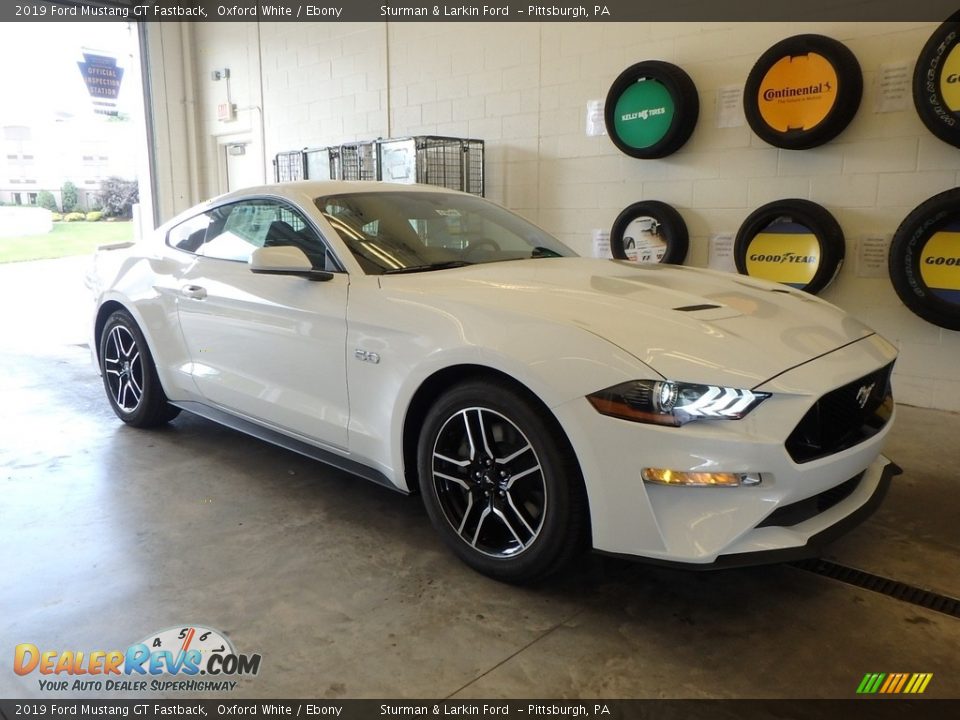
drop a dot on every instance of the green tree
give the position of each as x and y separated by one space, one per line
118 196
69 197
46 200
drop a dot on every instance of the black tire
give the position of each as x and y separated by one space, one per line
499 514
783 131
913 259
668 226
670 84
800 218
937 65
130 376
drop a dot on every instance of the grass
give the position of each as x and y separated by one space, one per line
66 239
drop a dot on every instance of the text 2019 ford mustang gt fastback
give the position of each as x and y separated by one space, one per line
540 402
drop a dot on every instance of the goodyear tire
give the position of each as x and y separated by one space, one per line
936 82
795 242
803 92
651 109
649 232
924 260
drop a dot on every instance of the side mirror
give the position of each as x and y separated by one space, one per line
285 260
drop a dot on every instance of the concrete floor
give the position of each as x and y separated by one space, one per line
108 534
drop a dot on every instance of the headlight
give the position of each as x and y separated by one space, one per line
674 403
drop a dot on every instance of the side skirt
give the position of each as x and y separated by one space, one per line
280 439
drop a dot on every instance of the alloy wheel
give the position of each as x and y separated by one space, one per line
123 368
489 482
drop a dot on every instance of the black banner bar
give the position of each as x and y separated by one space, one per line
862 709
492 11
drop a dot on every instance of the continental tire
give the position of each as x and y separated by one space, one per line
649 232
795 242
651 109
936 82
924 260
803 92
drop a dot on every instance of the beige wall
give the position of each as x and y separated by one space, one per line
524 87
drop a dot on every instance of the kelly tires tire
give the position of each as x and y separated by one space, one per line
130 376
924 260
651 109
500 483
795 242
803 92
650 231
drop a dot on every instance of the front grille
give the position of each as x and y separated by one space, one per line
798 512
843 417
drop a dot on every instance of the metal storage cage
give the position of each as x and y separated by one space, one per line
289 166
358 161
350 161
322 163
449 162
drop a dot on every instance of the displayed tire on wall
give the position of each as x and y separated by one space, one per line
795 242
803 92
651 109
649 232
924 260
936 82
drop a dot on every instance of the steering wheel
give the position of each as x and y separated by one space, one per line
479 244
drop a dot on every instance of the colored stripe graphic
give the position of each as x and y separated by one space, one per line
894 683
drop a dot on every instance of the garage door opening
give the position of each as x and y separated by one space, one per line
74 165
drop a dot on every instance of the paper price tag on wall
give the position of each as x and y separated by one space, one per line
601 244
595 124
721 253
730 106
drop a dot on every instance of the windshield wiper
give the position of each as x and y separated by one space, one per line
428 267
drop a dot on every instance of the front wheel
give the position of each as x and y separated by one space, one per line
130 376
500 484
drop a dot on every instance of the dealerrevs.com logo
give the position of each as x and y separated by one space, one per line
178 659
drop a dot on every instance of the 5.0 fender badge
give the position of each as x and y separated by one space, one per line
366 356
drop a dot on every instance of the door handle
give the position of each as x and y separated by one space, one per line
194 292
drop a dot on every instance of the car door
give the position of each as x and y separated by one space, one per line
267 347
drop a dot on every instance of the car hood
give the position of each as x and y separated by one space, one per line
685 323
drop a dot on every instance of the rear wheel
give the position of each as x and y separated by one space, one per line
500 486
130 376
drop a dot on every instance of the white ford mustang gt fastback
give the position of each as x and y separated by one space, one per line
540 402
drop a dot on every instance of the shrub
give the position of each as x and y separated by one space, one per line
118 196
56 217
74 217
46 200
69 197
94 215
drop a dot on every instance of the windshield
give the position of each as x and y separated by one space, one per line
394 232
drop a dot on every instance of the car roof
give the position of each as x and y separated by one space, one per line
300 189
304 192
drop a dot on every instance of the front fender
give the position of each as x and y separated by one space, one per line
557 362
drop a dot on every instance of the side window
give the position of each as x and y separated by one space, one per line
234 231
190 234
237 230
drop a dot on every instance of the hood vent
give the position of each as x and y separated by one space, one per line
695 308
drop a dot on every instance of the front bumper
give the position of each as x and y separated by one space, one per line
767 545
738 525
